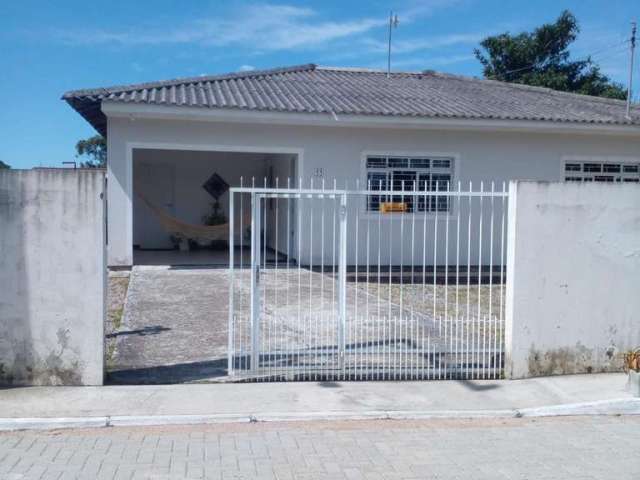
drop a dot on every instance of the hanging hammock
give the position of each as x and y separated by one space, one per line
187 231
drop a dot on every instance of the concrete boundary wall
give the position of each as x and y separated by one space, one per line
52 277
573 281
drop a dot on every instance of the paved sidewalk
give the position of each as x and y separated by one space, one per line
161 404
559 448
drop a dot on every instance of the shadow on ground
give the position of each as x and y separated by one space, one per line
168 374
478 388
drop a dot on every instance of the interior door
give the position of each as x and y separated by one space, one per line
155 182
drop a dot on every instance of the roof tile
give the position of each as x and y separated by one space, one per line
312 89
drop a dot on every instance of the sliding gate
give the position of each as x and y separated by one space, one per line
367 284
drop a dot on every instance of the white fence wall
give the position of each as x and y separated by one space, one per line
52 277
573 298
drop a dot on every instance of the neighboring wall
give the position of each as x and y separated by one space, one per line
52 277
339 151
573 290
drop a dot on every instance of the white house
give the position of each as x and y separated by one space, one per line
165 139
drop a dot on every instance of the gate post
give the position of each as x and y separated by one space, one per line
342 282
255 281
231 326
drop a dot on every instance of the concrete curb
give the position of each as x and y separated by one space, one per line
623 406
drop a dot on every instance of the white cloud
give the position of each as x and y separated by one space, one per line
418 44
246 68
424 8
423 63
265 27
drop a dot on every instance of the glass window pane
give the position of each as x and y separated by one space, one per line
376 162
377 181
592 167
398 162
611 167
572 167
631 168
419 162
441 163
403 179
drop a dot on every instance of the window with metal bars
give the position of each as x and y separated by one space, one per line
590 171
408 174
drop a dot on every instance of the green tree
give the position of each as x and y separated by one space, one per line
541 58
3 165
94 149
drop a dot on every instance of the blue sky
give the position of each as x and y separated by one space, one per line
49 47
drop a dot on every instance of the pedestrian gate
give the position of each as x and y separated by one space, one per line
395 281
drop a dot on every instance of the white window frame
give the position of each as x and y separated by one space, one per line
365 213
601 159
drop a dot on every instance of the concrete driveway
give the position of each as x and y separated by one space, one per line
174 327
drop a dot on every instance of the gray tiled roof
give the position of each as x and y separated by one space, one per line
313 89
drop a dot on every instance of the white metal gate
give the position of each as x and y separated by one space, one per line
366 284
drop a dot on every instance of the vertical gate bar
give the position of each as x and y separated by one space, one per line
357 221
264 336
356 345
371 335
255 281
321 341
368 280
468 316
446 266
459 346
435 249
391 364
491 261
402 318
342 281
441 342
504 206
414 203
240 319
298 347
484 347
311 206
312 324
379 294
334 305
276 307
263 229
285 343
230 326
429 363
424 244
480 238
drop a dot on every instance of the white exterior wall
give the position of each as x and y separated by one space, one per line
574 273
339 151
52 277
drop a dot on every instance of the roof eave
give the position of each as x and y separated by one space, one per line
91 111
165 112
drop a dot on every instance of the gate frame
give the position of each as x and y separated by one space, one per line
261 193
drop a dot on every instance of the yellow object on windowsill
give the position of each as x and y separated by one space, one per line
393 207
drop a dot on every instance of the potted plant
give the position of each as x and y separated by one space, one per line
632 365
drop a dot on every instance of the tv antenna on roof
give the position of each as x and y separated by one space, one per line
393 23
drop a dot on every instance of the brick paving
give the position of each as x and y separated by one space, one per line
551 448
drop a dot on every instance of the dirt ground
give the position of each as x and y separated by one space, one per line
118 284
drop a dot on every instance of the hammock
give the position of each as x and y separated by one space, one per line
184 230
